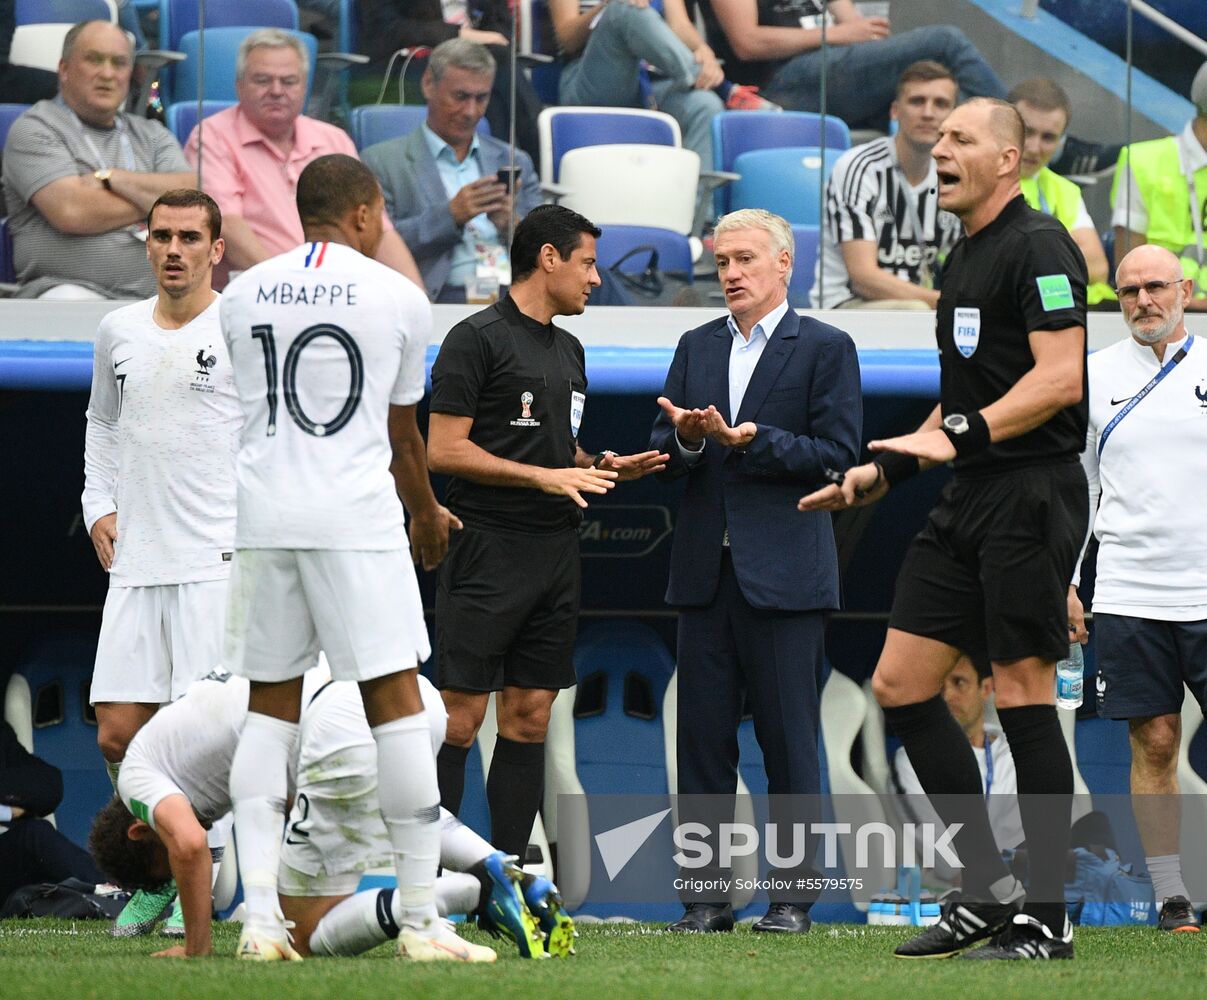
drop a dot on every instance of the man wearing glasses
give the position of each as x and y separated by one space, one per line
255 152
1148 423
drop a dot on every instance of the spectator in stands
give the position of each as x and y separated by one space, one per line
441 184
31 849
255 151
1154 184
389 25
775 44
80 175
627 54
966 692
1045 109
20 84
885 236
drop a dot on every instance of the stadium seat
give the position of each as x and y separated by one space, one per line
178 17
738 132
632 184
9 113
56 668
8 273
787 181
221 51
374 123
674 250
41 26
843 708
564 129
804 264
182 116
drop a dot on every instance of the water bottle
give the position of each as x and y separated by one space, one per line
1069 674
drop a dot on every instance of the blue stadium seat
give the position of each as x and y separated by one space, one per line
8 272
674 251
58 667
9 113
564 129
738 132
61 11
221 50
182 116
622 676
178 17
373 123
808 239
787 181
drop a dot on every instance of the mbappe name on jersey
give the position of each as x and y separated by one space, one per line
286 293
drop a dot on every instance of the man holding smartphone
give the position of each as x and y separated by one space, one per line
451 190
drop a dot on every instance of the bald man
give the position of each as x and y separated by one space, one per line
1144 457
988 575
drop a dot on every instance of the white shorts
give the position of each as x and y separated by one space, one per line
155 641
335 832
360 608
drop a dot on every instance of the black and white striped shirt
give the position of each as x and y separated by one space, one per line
868 198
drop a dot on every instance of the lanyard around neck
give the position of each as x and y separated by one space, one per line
127 148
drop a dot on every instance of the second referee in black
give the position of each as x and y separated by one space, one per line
508 393
988 574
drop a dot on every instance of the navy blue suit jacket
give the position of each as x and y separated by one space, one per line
805 398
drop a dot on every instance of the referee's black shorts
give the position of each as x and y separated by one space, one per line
990 572
507 610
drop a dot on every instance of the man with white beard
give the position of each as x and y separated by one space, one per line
1144 446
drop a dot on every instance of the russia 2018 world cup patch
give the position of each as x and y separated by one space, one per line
1055 292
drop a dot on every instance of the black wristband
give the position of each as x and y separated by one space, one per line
897 468
971 441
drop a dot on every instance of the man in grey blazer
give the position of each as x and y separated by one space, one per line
441 181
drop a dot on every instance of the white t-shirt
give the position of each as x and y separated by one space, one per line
1001 796
163 431
323 340
868 198
186 749
1150 525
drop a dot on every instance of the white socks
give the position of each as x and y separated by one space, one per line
457 892
460 847
357 924
258 785
1166 872
410 807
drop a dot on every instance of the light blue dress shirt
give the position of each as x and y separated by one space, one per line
454 175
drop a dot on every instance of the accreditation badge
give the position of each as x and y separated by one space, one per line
967 330
577 401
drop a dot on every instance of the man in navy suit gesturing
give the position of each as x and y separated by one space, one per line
756 405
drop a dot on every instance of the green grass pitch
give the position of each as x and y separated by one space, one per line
60 960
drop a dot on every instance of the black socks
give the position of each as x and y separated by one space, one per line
513 791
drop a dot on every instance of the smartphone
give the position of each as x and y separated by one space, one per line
508 177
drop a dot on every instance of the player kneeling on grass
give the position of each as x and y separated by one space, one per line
178 782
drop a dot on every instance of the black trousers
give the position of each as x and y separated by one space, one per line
33 851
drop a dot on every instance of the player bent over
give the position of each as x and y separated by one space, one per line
177 781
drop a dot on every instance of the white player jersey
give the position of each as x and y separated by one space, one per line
1151 529
186 749
163 432
323 340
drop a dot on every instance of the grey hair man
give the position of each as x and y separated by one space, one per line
255 151
455 192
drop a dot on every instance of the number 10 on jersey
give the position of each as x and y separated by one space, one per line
289 377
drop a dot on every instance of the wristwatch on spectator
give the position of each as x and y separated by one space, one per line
103 176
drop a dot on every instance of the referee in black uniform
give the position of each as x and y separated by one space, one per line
508 393
988 574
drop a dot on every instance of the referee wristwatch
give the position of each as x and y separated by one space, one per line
969 433
103 176
599 459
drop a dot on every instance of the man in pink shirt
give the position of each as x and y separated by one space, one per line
256 150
